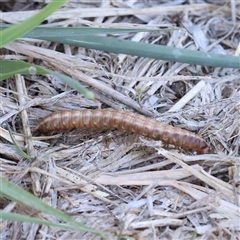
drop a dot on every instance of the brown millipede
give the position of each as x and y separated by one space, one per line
123 120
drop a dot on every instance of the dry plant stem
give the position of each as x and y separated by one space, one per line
162 78
98 12
146 178
180 215
159 223
122 120
147 79
20 84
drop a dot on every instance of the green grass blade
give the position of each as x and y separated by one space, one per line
19 195
41 31
82 37
172 54
10 67
21 152
74 84
23 218
12 33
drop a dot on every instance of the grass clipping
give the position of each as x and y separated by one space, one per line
126 185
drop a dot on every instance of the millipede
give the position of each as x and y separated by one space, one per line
122 120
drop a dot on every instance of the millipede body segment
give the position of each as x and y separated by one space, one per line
122 120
